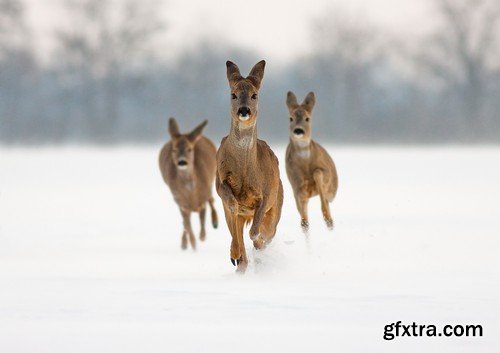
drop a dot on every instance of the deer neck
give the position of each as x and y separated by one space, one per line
244 140
302 147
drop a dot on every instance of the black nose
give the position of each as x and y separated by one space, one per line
298 131
244 111
182 163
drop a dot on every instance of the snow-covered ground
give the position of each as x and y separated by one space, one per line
90 258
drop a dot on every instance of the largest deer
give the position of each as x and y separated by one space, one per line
248 179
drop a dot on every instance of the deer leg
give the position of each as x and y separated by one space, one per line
226 194
257 219
242 262
302 200
268 228
203 212
271 220
325 206
235 253
186 216
215 221
184 241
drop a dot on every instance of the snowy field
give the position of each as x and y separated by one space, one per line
90 258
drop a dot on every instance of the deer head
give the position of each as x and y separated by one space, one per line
183 144
300 116
245 92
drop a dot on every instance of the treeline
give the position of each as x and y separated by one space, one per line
106 83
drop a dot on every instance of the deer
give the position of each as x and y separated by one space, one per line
248 178
187 165
310 169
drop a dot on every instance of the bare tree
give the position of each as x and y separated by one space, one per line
107 38
464 54
346 49
17 64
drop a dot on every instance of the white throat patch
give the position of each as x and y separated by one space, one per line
303 151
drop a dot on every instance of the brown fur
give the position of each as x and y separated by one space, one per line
309 167
248 178
191 186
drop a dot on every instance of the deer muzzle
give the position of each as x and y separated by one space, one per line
182 164
244 113
298 132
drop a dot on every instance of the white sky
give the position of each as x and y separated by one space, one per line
277 29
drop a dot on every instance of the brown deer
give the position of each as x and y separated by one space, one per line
187 164
309 167
248 177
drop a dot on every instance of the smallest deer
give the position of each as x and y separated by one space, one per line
309 168
187 164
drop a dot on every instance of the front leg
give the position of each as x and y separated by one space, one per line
302 200
226 194
260 211
186 217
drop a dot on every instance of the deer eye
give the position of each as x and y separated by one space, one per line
254 96
233 96
291 119
307 119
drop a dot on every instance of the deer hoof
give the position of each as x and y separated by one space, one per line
254 235
235 262
329 224
305 225
215 225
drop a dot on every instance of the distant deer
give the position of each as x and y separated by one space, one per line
309 167
248 178
188 164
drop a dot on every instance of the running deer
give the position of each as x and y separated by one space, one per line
187 164
309 167
248 179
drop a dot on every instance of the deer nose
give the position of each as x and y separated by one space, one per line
182 163
244 113
298 132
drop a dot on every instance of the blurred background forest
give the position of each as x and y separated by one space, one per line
104 79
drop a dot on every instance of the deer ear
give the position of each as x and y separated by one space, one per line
233 72
309 102
173 128
257 73
291 100
194 135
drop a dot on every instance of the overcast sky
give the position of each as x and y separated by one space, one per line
277 29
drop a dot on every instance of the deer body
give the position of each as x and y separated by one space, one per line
247 178
310 169
187 165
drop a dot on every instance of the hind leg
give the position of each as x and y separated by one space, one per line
323 194
203 212
215 220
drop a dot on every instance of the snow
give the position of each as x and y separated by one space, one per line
90 257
